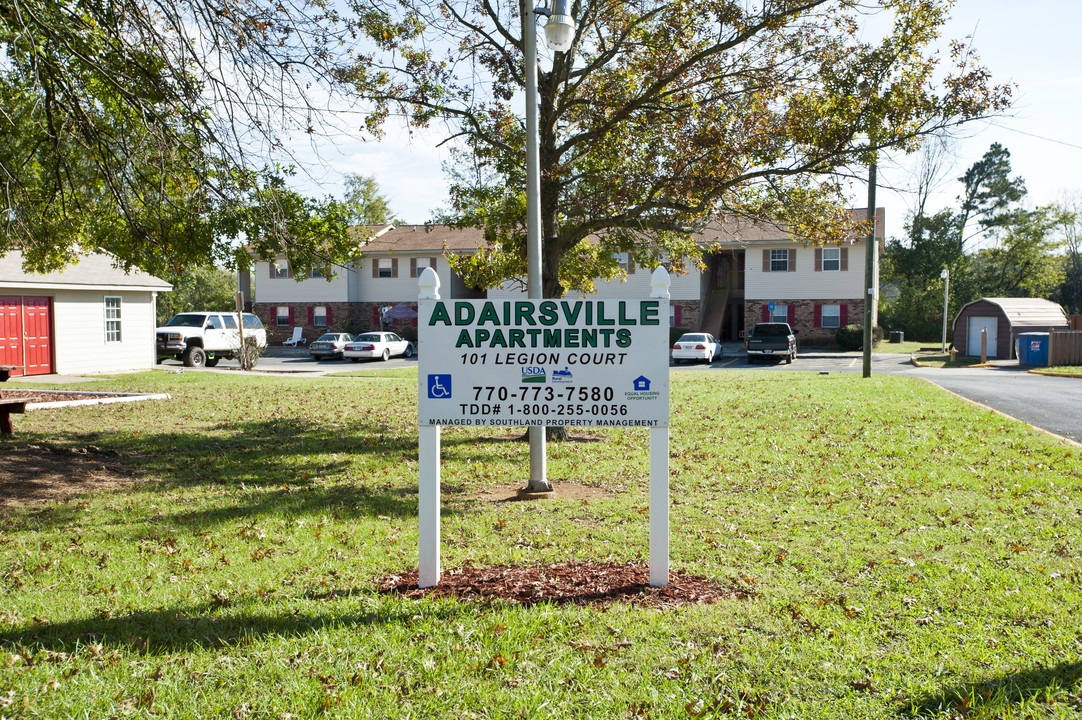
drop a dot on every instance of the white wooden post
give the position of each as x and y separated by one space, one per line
659 469
428 461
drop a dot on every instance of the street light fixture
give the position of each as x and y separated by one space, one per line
946 275
560 32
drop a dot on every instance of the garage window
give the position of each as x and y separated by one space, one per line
112 319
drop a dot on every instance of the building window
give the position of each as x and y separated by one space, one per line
832 314
281 315
779 261
621 259
832 260
280 270
112 319
781 312
319 315
318 273
384 268
419 265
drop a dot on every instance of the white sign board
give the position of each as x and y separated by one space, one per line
573 363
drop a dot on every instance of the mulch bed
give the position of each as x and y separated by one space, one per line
594 584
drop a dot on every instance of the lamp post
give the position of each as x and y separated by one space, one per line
946 275
560 32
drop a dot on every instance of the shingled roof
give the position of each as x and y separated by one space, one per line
741 231
90 272
424 238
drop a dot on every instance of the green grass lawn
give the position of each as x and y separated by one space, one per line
905 554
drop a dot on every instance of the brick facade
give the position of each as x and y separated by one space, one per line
687 314
804 317
345 317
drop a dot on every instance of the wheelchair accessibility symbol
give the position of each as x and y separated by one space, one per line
439 386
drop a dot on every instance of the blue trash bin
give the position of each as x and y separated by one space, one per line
1033 349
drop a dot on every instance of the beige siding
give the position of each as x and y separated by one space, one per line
803 283
635 287
79 344
401 289
289 290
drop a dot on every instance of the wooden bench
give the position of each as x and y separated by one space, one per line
9 405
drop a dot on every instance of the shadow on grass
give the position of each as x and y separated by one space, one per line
220 623
268 467
991 698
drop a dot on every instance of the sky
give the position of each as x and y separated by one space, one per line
1032 45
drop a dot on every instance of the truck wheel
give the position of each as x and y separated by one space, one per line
194 357
212 361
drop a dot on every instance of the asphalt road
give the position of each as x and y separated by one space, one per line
1050 403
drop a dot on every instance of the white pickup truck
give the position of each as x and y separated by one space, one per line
204 338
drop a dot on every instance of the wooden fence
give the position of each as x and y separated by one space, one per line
1064 347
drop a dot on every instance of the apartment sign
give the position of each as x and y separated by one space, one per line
572 363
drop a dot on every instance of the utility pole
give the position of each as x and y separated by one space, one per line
871 261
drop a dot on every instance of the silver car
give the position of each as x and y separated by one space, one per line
329 345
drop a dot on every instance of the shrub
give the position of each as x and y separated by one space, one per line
851 337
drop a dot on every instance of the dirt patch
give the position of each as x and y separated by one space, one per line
587 583
563 490
35 474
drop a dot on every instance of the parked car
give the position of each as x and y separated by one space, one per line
696 347
771 340
382 345
329 345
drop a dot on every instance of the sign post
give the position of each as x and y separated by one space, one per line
539 363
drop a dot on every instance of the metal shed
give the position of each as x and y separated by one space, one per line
1004 318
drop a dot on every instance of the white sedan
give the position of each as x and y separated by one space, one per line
696 347
382 345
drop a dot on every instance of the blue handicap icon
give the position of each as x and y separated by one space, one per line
439 386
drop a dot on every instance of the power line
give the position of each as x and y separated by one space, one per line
1034 135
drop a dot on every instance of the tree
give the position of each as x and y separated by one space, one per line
150 130
989 193
663 116
1022 263
198 288
367 205
1069 293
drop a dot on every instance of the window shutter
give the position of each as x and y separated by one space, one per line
818 262
818 318
311 315
328 316
766 313
375 267
844 253
394 267
766 261
413 267
676 315
290 314
432 264
790 314
630 265
375 316
271 270
792 259
843 313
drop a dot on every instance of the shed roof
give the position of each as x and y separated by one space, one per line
91 272
1028 312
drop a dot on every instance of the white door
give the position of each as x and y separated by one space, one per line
976 324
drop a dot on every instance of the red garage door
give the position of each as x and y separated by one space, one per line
26 334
